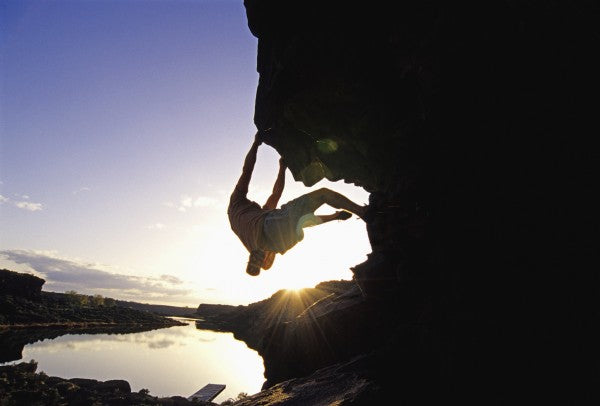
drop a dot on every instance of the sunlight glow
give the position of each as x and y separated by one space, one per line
212 257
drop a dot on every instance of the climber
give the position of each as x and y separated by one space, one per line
266 230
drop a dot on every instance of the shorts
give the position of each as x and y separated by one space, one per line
282 228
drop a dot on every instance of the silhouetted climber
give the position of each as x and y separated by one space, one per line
266 230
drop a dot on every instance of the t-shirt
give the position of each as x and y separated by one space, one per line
246 219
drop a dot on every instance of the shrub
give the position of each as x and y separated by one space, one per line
97 300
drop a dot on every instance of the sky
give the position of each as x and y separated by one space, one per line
123 129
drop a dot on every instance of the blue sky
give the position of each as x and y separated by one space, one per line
123 127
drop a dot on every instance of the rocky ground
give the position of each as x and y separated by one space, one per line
21 384
63 310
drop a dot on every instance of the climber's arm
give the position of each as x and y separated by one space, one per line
277 188
244 180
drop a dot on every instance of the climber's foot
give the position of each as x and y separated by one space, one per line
342 215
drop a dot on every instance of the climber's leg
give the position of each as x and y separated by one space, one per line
319 197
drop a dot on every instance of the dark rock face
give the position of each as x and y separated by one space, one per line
471 125
20 284
258 323
210 310
343 384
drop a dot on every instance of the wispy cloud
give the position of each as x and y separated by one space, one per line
156 226
187 202
171 279
81 189
65 274
28 206
22 204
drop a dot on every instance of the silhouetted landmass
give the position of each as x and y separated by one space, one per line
20 284
23 304
163 310
265 325
69 310
249 323
20 384
28 314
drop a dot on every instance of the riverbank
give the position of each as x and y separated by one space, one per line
23 304
21 384
80 325
174 361
14 338
69 310
28 314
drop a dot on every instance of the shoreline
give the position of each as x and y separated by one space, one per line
85 324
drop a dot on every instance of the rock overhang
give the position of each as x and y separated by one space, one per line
337 97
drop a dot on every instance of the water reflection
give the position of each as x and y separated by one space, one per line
171 361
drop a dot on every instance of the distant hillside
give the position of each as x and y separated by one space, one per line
23 303
163 310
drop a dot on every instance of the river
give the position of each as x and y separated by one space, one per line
170 361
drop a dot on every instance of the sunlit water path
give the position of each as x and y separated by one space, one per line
168 362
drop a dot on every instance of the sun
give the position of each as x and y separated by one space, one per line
296 281
297 287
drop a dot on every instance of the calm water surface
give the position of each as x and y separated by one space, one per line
168 362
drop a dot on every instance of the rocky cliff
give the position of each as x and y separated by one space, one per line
256 322
471 125
20 284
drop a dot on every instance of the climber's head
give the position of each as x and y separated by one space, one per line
255 261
